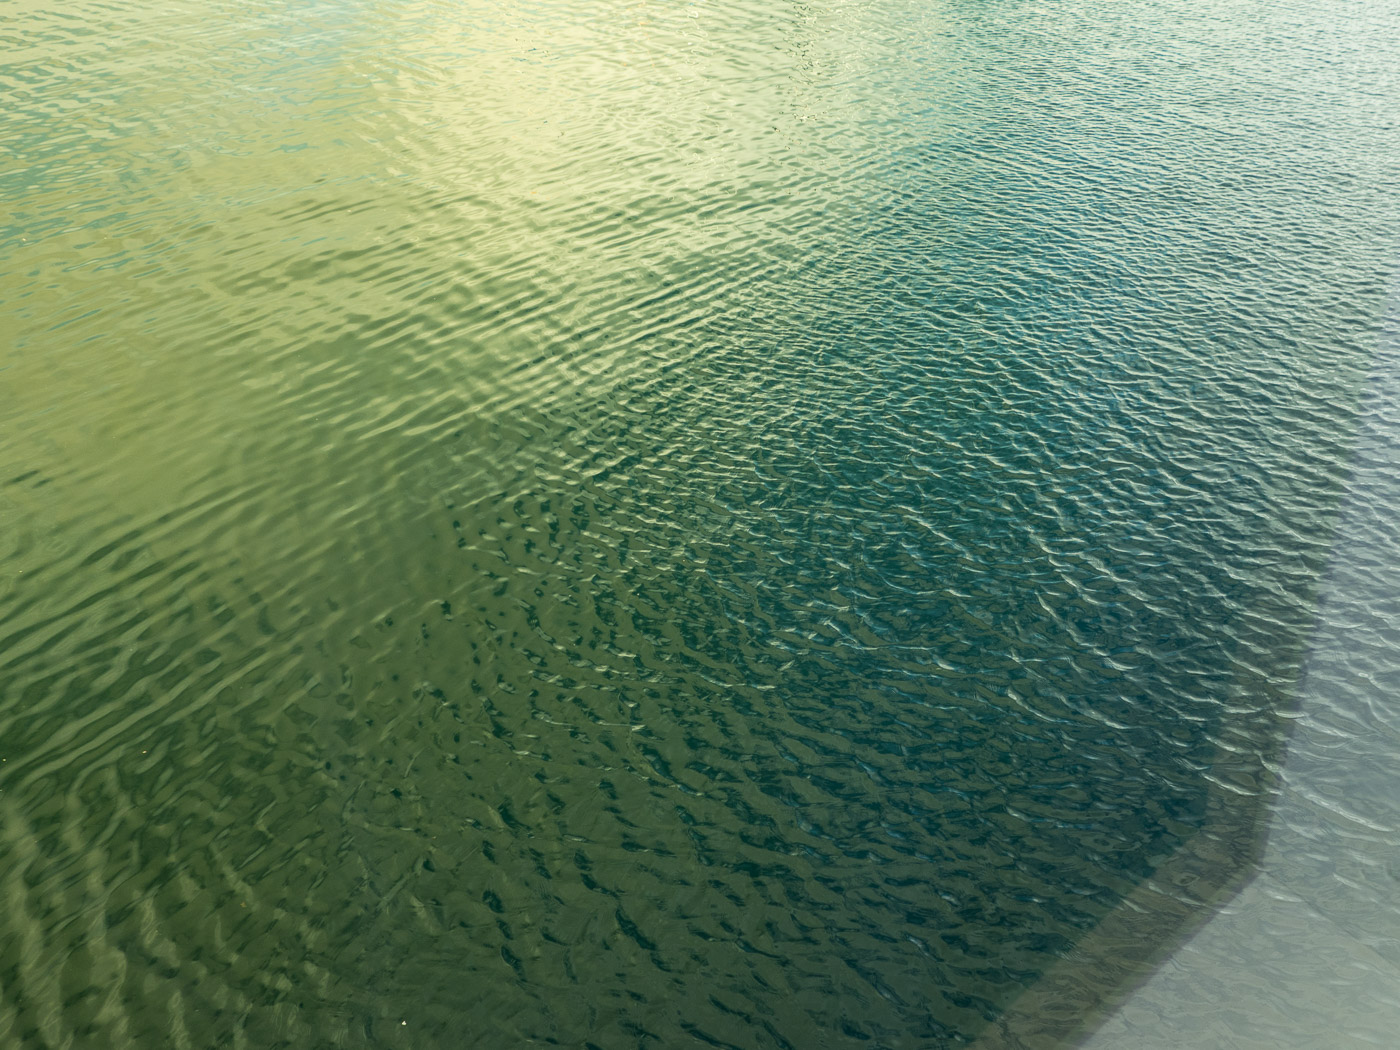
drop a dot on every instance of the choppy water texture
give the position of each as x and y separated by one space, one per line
745 524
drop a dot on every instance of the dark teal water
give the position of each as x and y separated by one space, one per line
752 524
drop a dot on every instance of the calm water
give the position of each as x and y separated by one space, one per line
746 524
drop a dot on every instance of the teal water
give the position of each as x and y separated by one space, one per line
739 524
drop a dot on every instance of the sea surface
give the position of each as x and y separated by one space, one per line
741 524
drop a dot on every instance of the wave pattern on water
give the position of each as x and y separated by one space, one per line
743 524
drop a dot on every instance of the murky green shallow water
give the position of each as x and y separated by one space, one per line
644 525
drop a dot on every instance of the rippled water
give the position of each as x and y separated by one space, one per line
748 524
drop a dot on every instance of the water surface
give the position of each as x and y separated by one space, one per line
746 524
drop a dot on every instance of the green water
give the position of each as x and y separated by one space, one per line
649 525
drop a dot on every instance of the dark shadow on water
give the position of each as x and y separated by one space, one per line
1074 996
